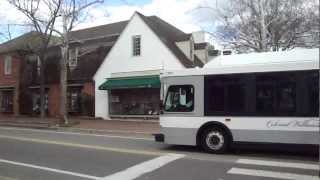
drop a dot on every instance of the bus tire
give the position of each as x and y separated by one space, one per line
215 140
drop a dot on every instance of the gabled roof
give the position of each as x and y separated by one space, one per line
30 41
113 29
169 34
23 42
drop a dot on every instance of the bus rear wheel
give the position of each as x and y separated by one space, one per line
215 140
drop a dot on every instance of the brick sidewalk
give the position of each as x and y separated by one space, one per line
119 126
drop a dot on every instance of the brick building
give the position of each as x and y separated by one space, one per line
19 68
12 70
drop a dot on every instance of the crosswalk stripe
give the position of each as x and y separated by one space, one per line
271 174
279 164
143 168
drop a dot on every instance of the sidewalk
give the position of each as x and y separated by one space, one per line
117 126
84 125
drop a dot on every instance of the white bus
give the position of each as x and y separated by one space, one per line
260 97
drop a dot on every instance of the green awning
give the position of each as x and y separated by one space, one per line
131 82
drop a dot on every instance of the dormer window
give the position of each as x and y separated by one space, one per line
136 42
7 65
73 57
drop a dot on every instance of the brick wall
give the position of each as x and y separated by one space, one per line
88 88
54 100
87 99
12 79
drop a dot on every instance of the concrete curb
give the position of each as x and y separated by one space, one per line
100 131
30 127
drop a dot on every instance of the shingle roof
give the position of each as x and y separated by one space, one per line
30 41
88 65
113 29
23 42
169 34
198 62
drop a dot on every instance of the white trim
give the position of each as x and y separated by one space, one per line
8 65
135 73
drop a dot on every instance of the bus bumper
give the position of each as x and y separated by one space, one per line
159 137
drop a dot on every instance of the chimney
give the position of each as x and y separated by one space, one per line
199 37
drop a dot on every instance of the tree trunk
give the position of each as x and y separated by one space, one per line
263 27
63 74
42 88
63 85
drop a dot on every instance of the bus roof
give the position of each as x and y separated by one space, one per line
297 59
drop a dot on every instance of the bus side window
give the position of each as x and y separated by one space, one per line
180 98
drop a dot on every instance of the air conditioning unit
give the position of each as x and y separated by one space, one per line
214 52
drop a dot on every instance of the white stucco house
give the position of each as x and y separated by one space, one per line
127 82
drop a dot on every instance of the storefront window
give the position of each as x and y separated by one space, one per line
74 100
140 101
6 99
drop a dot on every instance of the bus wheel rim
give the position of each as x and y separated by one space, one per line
215 140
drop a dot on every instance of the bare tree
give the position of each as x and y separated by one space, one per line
5 32
43 23
71 13
43 16
265 25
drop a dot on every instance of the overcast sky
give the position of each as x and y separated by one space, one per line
180 13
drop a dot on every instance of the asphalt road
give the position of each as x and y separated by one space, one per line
50 155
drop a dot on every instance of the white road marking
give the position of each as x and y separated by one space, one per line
271 174
127 174
76 133
50 169
62 143
143 168
279 164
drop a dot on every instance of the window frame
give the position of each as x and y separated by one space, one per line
167 94
73 60
7 65
136 51
70 99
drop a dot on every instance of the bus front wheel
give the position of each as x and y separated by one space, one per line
215 140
